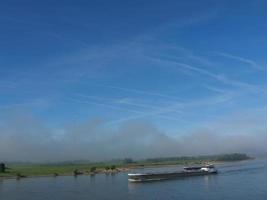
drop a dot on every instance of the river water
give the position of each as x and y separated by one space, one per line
242 180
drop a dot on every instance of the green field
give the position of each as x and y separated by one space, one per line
68 168
49 169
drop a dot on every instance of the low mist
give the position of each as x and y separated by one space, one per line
25 138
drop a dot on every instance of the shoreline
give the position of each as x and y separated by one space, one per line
123 169
119 170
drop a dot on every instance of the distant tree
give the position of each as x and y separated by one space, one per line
75 172
113 167
107 168
2 167
232 157
128 161
92 169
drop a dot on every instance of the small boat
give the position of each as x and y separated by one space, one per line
186 172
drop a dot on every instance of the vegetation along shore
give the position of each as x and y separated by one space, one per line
23 170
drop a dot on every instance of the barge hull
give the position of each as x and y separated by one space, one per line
165 176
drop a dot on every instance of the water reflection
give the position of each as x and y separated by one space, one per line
132 187
208 181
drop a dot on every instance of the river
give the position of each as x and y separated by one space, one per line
241 180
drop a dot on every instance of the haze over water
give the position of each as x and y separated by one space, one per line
241 180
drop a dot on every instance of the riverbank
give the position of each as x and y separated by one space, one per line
75 169
34 170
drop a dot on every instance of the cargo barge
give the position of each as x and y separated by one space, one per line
186 172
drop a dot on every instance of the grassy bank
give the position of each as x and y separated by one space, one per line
32 170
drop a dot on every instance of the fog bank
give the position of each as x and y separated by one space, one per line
25 138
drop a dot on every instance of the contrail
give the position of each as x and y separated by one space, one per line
250 62
126 103
141 114
102 104
218 77
139 91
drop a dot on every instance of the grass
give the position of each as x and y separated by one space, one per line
68 168
48 169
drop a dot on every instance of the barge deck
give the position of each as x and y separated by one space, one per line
187 172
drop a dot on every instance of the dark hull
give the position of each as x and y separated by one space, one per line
166 176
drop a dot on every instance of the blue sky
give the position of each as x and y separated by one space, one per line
179 65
